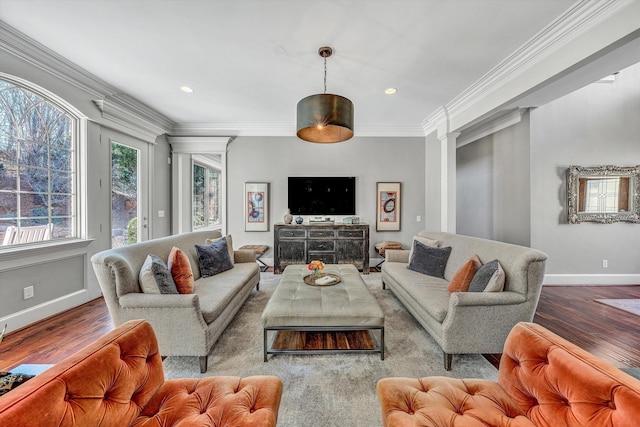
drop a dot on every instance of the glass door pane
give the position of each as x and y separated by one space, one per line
127 225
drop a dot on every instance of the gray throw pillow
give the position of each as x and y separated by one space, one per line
155 277
484 275
214 258
429 260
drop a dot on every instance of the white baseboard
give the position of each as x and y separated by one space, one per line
42 311
591 279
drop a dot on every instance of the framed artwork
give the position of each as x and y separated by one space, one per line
388 206
256 206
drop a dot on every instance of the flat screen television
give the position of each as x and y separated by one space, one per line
322 195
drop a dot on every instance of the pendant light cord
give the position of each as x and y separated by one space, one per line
325 74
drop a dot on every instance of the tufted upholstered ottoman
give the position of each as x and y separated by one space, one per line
543 381
346 306
118 381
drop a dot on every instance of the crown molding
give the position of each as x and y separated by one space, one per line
579 19
30 51
128 117
199 144
435 120
266 129
122 109
490 126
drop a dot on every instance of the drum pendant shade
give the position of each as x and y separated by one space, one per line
324 118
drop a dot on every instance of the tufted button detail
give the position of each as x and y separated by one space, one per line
611 404
67 397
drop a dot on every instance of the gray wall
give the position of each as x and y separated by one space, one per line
493 186
596 125
273 159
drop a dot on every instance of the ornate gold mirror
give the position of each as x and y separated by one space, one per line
604 194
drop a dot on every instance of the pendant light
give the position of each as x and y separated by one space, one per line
325 118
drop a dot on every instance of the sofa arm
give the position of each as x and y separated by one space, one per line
479 322
141 300
461 299
397 255
244 256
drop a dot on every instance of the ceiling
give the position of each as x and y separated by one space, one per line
250 61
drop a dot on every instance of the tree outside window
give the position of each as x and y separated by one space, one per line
37 164
206 197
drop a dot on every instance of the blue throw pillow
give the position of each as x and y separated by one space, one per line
429 260
214 258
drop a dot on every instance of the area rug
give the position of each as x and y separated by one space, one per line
632 305
330 390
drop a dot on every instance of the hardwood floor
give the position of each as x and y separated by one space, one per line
570 311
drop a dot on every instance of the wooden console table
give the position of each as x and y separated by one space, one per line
330 243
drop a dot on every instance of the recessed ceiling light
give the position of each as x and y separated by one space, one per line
390 91
186 89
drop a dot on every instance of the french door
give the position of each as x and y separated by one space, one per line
129 191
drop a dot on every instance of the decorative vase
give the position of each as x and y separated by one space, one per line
299 220
288 217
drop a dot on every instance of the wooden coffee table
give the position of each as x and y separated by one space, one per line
345 307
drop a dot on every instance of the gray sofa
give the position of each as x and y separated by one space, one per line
185 324
468 322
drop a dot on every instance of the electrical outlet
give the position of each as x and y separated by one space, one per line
605 263
28 292
418 218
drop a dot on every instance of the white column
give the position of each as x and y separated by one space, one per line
448 181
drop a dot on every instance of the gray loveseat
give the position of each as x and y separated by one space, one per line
185 324
468 322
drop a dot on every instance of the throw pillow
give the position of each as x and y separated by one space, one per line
489 278
181 272
214 258
429 260
229 244
462 279
496 283
423 240
155 277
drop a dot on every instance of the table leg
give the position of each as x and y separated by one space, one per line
265 344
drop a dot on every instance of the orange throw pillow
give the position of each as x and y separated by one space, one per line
180 268
462 279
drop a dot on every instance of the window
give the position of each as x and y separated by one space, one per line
206 196
38 167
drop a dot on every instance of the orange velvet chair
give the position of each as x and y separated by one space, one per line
119 381
543 381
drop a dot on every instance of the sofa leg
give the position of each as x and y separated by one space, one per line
383 285
258 286
203 364
447 360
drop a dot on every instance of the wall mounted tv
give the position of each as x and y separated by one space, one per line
322 195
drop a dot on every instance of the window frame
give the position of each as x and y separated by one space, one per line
78 171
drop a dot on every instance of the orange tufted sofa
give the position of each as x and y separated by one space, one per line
543 381
119 381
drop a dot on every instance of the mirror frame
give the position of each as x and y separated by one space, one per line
574 173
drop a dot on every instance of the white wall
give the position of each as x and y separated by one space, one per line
274 159
593 126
